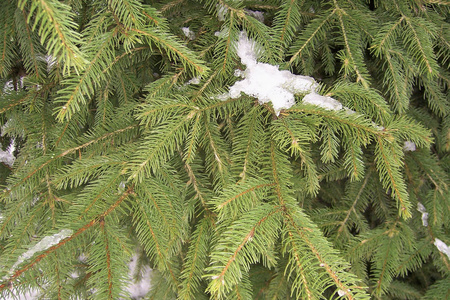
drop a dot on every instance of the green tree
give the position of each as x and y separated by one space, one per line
322 173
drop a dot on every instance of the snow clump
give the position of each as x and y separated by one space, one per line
422 210
195 80
222 33
256 14
7 156
342 293
221 12
138 289
442 247
188 33
268 84
409 146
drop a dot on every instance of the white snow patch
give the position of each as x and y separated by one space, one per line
239 73
28 295
7 156
195 80
342 293
423 210
188 33
266 82
221 12
141 288
121 187
442 247
349 111
380 128
8 87
83 258
248 50
222 33
223 97
44 244
409 146
256 14
322 101
51 62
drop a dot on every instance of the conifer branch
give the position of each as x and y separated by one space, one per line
153 239
328 268
417 46
390 177
108 258
81 230
14 103
148 130
353 63
312 37
298 260
174 48
193 268
352 209
80 87
67 152
27 43
57 32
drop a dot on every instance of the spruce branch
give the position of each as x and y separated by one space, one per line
96 220
57 31
234 150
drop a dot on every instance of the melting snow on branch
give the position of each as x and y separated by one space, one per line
256 14
221 12
195 80
342 293
44 244
323 101
222 33
268 84
248 51
422 209
440 245
7 156
138 289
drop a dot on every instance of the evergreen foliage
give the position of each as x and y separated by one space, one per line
124 140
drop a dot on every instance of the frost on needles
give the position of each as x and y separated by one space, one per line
269 84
